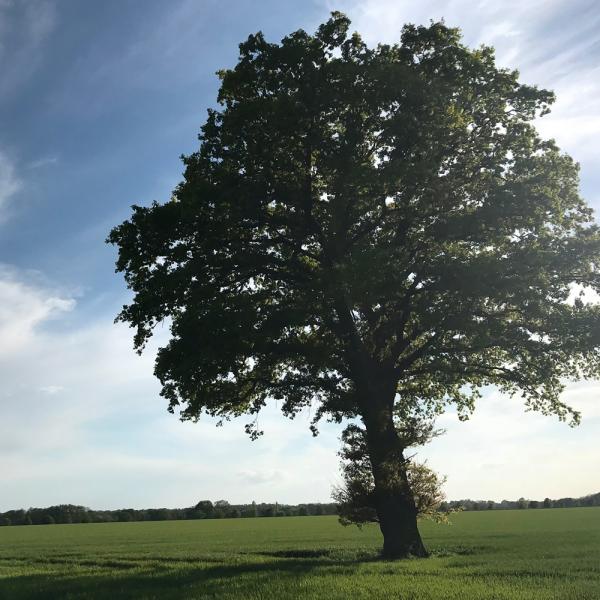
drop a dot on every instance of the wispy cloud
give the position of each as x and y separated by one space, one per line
24 28
9 183
150 58
45 161
51 390
23 307
254 477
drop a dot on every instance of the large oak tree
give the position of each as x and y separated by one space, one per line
377 232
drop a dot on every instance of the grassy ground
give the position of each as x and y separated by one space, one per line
495 555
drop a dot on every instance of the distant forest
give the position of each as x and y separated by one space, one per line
522 503
221 509
205 509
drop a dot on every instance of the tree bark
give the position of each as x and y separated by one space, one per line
395 504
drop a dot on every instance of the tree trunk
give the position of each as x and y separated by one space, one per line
398 523
395 502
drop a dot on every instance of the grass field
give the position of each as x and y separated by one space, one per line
527 554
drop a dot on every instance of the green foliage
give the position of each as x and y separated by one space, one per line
356 497
357 215
490 555
205 509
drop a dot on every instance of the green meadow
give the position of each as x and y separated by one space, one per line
520 554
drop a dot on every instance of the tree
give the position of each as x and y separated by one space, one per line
153 514
547 503
205 509
377 232
125 515
250 510
221 508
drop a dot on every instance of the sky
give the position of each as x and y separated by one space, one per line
97 102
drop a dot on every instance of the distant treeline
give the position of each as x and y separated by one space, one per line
221 509
522 503
205 509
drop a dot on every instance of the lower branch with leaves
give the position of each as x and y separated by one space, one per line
355 497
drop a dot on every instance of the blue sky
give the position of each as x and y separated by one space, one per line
97 102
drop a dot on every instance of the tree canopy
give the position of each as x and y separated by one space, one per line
376 232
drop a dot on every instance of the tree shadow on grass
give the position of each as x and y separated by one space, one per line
147 577
161 581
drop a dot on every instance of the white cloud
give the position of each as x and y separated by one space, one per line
23 307
254 477
79 407
51 390
503 452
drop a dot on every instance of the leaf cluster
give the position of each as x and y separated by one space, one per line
356 497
